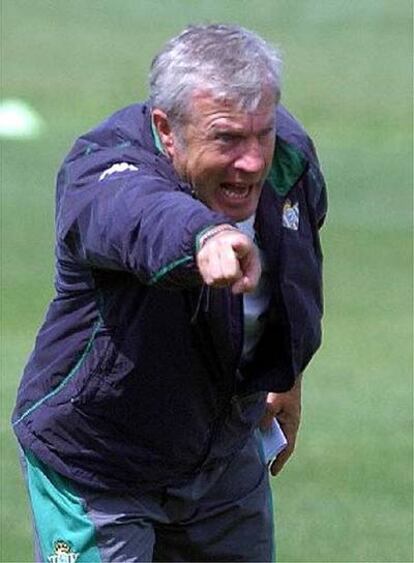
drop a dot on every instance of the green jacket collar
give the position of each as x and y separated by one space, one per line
156 137
288 165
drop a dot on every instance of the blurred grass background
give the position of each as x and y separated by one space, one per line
348 494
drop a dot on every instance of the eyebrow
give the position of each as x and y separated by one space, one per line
238 131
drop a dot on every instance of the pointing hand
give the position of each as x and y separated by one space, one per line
229 258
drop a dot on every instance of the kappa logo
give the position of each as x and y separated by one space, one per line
118 167
62 553
290 218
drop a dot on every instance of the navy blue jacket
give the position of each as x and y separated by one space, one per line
135 370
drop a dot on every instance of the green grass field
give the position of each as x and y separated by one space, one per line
347 494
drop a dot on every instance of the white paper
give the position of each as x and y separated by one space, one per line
274 441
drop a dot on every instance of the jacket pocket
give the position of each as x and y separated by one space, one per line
85 378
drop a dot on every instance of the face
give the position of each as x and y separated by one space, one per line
225 154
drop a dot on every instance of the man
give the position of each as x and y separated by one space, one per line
188 303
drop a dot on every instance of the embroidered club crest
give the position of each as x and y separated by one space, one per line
290 218
62 553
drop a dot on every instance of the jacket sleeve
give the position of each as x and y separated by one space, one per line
131 218
303 283
317 193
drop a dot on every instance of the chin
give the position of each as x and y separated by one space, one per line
241 215
245 216
237 214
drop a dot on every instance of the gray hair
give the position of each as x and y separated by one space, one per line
228 61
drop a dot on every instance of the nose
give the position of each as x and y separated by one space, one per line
251 158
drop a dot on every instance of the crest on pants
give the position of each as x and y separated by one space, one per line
62 553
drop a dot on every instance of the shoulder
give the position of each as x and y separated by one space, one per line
295 163
129 126
292 132
122 142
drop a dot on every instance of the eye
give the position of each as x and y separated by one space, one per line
227 138
266 133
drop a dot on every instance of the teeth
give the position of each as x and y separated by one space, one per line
239 192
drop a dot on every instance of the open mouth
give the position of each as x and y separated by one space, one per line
235 192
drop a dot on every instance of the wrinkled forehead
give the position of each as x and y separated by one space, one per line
248 101
206 108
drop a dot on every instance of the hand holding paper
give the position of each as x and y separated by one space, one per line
286 407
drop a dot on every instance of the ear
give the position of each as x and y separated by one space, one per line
164 130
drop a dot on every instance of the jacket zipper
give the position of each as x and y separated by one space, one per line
205 289
218 423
